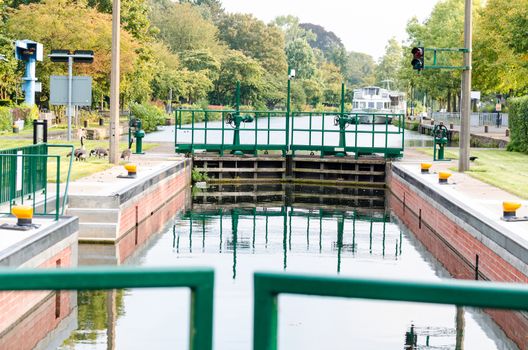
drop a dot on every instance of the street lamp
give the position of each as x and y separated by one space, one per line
291 75
78 56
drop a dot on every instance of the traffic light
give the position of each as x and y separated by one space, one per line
418 58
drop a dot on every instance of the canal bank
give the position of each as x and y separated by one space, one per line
459 223
38 319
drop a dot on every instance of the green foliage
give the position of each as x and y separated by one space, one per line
518 124
197 176
5 118
150 115
301 58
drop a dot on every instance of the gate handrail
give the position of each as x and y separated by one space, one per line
268 286
199 280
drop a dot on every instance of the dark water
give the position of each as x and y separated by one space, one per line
314 230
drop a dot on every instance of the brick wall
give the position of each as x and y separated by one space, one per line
143 206
456 249
151 225
27 317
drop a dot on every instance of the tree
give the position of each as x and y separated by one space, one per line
235 67
183 28
74 27
390 64
500 58
360 70
255 39
292 30
301 57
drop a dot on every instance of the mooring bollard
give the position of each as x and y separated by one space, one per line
485 128
443 176
507 133
24 214
451 126
509 209
425 167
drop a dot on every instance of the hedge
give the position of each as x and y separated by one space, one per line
518 124
5 118
150 115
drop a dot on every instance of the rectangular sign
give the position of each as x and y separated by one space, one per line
81 90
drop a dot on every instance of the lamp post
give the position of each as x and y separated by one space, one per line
463 159
291 75
114 83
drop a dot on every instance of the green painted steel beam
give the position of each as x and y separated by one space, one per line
199 280
268 286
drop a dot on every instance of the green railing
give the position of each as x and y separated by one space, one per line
200 281
359 133
194 131
326 133
268 286
24 177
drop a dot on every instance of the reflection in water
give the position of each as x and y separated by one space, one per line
210 221
237 230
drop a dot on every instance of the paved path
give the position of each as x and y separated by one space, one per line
484 198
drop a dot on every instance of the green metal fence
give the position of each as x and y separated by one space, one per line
24 178
359 133
253 131
260 131
200 281
268 286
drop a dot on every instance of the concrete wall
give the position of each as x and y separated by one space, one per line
108 218
455 236
40 319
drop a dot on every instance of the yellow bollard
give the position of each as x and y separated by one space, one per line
425 167
24 214
443 176
132 169
509 208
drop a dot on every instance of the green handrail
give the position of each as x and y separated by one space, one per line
268 286
199 280
32 174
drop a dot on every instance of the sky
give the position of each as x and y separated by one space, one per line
363 26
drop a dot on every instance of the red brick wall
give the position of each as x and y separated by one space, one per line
456 249
152 224
22 329
151 201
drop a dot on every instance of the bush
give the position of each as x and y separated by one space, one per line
150 115
5 118
518 124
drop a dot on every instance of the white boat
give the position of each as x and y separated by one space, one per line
376 104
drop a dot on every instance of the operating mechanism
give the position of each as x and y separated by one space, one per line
440 135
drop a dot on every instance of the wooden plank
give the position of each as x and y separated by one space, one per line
341 172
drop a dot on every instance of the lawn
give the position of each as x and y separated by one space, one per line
80 169
500 168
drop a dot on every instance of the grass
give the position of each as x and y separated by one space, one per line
80 169
499 168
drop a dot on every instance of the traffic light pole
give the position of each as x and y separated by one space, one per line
463 160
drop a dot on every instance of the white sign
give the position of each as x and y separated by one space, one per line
19 171
498 107
475 95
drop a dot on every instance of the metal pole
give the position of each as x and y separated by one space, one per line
70 83
465 103
288 115
114 85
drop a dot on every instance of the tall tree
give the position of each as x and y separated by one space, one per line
389 66
301 57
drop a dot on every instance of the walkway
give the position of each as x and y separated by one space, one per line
482 198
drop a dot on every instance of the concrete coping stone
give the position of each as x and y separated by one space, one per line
17 247
479 211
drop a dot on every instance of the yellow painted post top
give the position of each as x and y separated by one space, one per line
444 175
131 167
510 207
426 166
22 211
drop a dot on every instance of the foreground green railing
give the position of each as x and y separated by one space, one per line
200 281
268 286
24 175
